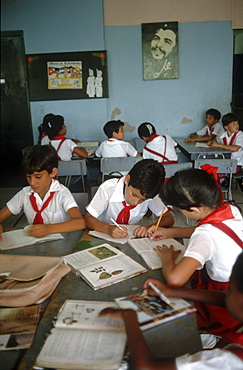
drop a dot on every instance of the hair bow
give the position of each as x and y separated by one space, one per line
210 169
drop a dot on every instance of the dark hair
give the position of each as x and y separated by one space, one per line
191 188
53 125
112 126
41 127
148 177
228 118
237 274
215 113
40 158
146 129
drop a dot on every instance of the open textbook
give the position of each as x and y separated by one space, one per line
130 231
19 238
152 311
201 145
103 265
82 340
144 247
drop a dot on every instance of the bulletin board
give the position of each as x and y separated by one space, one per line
74 75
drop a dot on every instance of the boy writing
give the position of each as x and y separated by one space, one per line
127 200
115 146
228 355
211 130
48 205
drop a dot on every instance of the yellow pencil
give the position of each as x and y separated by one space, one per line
158 222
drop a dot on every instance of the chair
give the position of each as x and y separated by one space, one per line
211 156
171 169
72 168
112 165
82 200
225 166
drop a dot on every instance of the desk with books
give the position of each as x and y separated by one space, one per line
169 339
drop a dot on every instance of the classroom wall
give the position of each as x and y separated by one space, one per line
174 106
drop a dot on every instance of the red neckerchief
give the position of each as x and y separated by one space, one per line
38 218
232 139
209 131
111 140
152 137
220 214
124 215
59 137
43 135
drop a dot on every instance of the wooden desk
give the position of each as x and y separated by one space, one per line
170 339
193 152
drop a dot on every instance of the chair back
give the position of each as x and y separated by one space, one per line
72 168
109 165
171 169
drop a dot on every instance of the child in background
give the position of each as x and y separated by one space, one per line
213 246
228 355
55 128
128 199
160 148
43 138
212 129
48 205
231 139
115 146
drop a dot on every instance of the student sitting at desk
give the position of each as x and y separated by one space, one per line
228 353
48 205
211 130
160 148
231 139
115 146
213 246
43 138
126 200
55 128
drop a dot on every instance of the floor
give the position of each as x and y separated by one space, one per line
6 193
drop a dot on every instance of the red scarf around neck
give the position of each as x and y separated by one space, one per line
232 139
220 214
38 217
152 137
124 215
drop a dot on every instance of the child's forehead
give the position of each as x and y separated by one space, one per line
137 192
210 116
37 173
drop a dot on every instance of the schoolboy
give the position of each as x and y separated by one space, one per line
115 146
160 148
212 129
48 205
126 200
231 139
228 355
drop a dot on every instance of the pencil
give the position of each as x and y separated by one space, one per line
158 222
160 294
115 223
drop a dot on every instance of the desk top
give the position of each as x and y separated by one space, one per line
190 150
181 336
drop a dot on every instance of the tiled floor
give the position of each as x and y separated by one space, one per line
7 193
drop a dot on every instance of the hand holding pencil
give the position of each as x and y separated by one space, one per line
118 231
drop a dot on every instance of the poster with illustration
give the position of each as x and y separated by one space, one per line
65 75
160 50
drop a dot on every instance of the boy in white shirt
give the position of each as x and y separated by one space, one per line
212 129
48 205
115 146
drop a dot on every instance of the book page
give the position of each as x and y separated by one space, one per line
107 272
84 315
130 230
82 349
201 145
89 256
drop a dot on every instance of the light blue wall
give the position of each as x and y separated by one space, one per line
205 68
205 77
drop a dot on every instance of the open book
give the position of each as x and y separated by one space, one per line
90 146
201 145
18 238
152 311
130 231
144 247
18 326
82 340
103 265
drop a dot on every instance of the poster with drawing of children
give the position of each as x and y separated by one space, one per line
65 75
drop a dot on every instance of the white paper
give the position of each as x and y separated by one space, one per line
130 230
201 145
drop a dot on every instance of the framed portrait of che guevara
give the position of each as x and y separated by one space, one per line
160 50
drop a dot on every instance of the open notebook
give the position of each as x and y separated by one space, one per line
130 230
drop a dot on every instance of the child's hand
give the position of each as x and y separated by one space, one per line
141 231
116 233
189 139
164 288
167 252
112 312
161 233
38 231
214 143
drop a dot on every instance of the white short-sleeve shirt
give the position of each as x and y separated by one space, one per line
108 199
217 130
216 250
158 145
65 151
55 212
238 141
115 148
210 359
